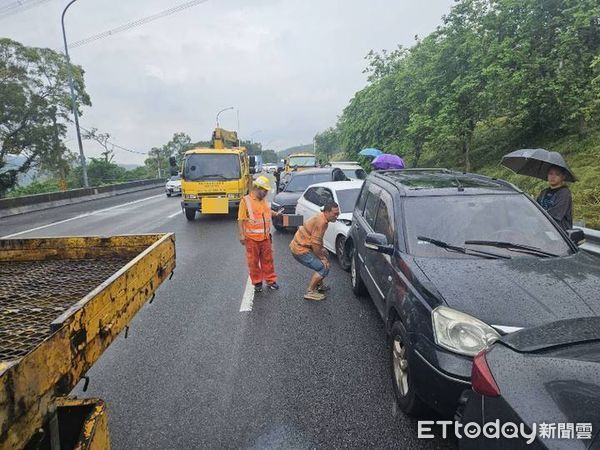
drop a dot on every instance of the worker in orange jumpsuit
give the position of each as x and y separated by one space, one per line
254 221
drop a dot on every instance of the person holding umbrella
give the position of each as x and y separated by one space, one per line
556 199
550 166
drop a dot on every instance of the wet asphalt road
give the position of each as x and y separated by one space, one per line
196 372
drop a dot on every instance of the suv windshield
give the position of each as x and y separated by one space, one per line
506 218
303 161
175 178
212 167
299 183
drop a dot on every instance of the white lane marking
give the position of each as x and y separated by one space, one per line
81 216
248 298
174 214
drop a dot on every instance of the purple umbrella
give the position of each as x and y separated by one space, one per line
387 161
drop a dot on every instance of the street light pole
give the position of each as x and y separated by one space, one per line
223 110
253 133
73 97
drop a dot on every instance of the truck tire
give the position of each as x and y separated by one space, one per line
358 286
401 355
190 213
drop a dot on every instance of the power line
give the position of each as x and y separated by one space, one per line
135 23
18 6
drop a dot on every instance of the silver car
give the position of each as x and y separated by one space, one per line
173 186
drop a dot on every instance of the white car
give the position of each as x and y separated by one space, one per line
173 186
344 193
351 169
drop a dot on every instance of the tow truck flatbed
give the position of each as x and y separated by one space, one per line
62 303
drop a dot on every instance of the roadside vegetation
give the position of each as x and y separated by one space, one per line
496 76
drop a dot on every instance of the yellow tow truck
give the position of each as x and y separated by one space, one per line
300 161
63 301
214 179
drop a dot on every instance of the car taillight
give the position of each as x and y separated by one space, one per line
482 379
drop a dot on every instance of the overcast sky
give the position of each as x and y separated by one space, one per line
289 66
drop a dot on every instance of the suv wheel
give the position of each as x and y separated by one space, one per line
402 377
358 287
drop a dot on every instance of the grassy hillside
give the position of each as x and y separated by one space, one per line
583 156
295 149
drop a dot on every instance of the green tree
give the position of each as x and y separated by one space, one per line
100 172
495 76
269 156
327 144
178 145
35 107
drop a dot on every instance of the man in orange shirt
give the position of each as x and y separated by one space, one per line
254 222
307 248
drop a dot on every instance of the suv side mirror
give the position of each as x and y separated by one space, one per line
379 243
576 236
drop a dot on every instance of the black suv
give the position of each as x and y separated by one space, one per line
452 261
288 197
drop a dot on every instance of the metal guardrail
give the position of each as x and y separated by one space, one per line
27 200
592 240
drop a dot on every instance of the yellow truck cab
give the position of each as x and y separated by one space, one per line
300 161
214 180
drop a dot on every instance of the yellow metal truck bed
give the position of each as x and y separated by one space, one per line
34 293
62 302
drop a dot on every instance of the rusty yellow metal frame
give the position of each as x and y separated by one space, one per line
93 434
30 386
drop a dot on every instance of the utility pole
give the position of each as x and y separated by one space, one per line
73 97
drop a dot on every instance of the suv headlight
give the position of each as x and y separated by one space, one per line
460 332
275 206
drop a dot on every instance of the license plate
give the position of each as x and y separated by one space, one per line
217 205
292 220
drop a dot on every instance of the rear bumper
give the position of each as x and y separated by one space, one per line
278 220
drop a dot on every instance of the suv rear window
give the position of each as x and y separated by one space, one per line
299 182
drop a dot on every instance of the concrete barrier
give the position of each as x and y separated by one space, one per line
38 202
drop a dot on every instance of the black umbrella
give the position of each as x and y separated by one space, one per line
536 162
